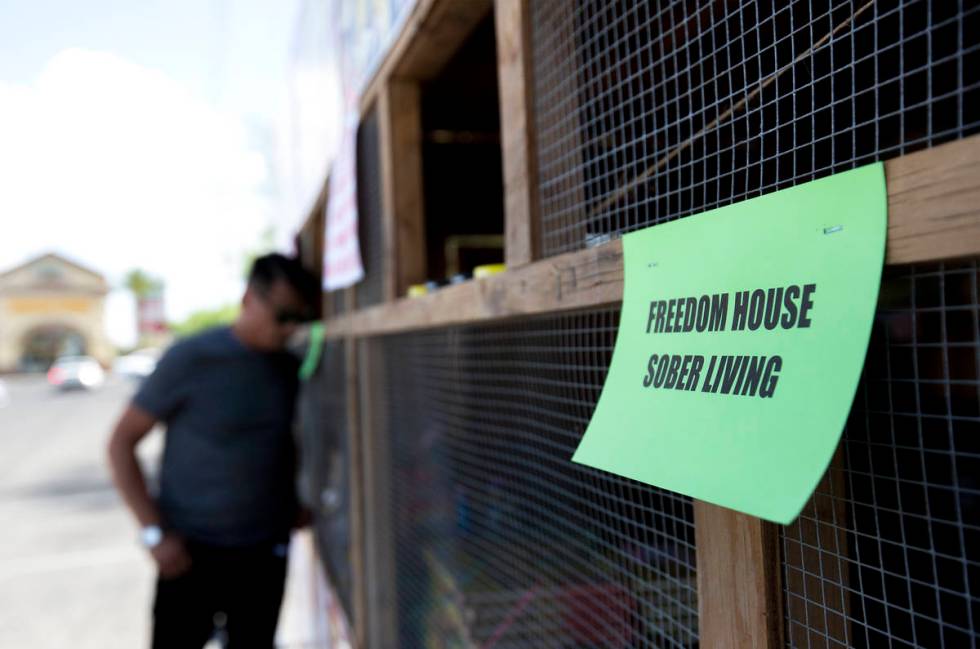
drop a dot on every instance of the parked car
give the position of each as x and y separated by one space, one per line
76 372
4 395
137 365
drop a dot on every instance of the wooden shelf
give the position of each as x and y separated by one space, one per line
933 214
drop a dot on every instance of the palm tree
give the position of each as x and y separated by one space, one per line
142 284
148 291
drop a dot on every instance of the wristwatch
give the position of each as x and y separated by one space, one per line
151 536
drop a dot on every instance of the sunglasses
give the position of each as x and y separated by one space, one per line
288 316
284 316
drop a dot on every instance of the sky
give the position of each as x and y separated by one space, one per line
142 134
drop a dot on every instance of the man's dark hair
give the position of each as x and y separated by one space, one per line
274 267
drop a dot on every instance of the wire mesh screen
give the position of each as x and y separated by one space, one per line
647 111
370 223
324 480
499 539
337 302
887 553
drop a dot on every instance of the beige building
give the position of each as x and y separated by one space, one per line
51 306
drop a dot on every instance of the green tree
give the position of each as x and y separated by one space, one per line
205 319
142 284
144 287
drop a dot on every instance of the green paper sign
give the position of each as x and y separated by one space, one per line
741 341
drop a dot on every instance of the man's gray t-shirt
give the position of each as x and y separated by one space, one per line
227 475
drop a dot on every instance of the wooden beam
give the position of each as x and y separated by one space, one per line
315 212
571 281
430 37
400 124
309 247
934 203
320 235
319 206
379 551
817 577
926 224
739 595
356 459
316 230
520 174
441 33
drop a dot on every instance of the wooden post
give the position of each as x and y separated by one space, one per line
739 594
817 574
400 124
355 457
517 132
379 552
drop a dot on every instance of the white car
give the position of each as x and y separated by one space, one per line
4 395
137 365
76 372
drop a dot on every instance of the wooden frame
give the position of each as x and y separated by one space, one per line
309 241
517 128
380 615
739 592
400 115
934 203
940 183
816 544
934 214
433 32
356 457
739 585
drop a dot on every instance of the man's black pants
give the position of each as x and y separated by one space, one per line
241 588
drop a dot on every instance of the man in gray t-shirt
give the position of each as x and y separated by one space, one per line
218 528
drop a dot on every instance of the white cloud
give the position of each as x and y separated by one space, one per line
118 166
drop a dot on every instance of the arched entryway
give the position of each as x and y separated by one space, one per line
42 345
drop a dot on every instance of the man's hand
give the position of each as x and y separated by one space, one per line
171 556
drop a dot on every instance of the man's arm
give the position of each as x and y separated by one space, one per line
134 424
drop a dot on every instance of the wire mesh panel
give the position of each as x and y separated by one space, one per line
648 111
337 301
500 540
887 553
370 221
323 431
